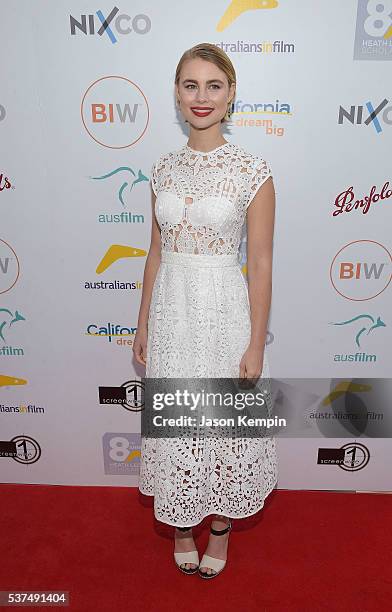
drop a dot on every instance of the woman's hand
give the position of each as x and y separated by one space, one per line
140 345
251 365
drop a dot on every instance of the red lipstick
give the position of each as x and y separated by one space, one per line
201 111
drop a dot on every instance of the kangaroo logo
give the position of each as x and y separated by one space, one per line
14 317
140 178
237 7
377 323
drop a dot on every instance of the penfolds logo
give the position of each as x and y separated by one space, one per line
5 183
346 201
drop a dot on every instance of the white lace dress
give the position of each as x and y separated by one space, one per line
199 326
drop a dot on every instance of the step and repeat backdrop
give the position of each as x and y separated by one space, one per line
87 105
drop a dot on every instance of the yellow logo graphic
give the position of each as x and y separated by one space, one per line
345 387
237 7
115 252
6 381
132 455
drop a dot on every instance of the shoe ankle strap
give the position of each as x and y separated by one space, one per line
220 531
184 528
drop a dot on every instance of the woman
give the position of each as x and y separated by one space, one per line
197 316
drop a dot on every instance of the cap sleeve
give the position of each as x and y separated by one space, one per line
154 178
261 171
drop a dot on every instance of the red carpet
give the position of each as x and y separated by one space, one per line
305 551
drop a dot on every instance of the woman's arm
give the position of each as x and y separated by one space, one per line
260 229
150 271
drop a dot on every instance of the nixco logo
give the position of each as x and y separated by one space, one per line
373 33
111 25
361 270
115 112
9 267
237 7
357 116
2 112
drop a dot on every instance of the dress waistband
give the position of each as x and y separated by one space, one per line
200 260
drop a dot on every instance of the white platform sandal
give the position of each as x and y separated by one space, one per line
181 558
211 562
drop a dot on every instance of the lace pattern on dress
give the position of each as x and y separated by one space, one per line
202 198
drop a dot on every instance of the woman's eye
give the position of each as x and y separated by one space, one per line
191 85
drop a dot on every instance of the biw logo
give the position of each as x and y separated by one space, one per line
115 112
361 270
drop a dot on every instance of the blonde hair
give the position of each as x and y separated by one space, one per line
210 53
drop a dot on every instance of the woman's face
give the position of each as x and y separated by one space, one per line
203 92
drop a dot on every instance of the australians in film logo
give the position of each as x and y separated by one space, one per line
115 112
347 201
114 254
235 8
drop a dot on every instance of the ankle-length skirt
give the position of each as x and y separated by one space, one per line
199 327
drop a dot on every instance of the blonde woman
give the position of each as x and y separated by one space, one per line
198 316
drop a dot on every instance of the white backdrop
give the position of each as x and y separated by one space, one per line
84 114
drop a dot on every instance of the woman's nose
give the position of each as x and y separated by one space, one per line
202 95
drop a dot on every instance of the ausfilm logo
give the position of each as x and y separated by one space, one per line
9 267
361 270
109 27
115 112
